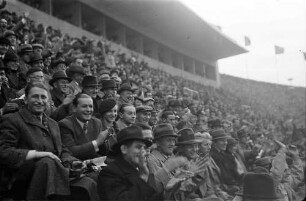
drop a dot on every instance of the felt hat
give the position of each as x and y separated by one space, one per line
186 136
174 103
128 134
106 105
59 75
108 84
90 81
259 186
33 70
4 41
214 123
163 130
8 33
125 87
37 45
75 69
262 162
57 62
25 48
218 134
10 56
242 133
35 57
143 108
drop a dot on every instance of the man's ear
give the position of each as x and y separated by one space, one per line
120 115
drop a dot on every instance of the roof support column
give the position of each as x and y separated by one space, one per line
46 6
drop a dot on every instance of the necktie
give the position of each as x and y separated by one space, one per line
85 127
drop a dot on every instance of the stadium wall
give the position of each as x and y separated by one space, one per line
74 31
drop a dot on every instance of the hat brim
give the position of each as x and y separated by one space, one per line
91 85
169 135
115 148
195 141
258 196
218 138
51 82
121 90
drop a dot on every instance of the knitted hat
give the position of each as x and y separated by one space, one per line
106 105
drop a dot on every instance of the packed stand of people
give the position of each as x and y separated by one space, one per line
81 121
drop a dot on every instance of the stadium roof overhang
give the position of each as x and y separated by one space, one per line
170 23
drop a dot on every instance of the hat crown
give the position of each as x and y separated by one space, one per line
163 130
59 74
218 134
89 81
36 57
259 186
106 84
76 69
125 87
185 135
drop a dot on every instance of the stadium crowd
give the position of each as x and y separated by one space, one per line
81 121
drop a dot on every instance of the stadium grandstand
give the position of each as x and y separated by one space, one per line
123 100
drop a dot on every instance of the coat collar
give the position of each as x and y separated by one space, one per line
30 118
125 166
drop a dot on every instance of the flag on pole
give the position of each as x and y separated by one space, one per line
290 79
304 53
247 41
279 50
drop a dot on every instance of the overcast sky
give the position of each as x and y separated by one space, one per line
266 23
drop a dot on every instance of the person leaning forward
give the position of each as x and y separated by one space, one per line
127 177
32 156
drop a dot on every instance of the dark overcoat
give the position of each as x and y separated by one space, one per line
21 132
121 181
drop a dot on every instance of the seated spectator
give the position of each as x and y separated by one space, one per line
126 94
15 79
59 65
143 114
77 74
82 133
32 151
38 48
60 89
127 116
109 89
6 93
4 45
127 177
36 60
169 117
24 54
153 119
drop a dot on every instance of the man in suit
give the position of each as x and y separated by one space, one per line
81 132
32 156
127 177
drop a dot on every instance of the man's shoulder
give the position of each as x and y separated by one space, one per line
67 120
96 120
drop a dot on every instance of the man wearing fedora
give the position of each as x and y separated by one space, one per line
126 94
24 54
90 87
127 177
4 45
258 187
76 73
36 60
16 80
199 185
109 89
218 154
60 89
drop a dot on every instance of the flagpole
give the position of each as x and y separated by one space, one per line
275 66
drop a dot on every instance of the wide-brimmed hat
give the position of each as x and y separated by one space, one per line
163 130
258 186
25 48
125 87
59 75
75 69
218 134
33 70
4 41
108 84
37 45
90 81
128 134
10 56
186 136
263 162
8 33
35 57
57 62
106 105
148 99
143 108
214 123
242 132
